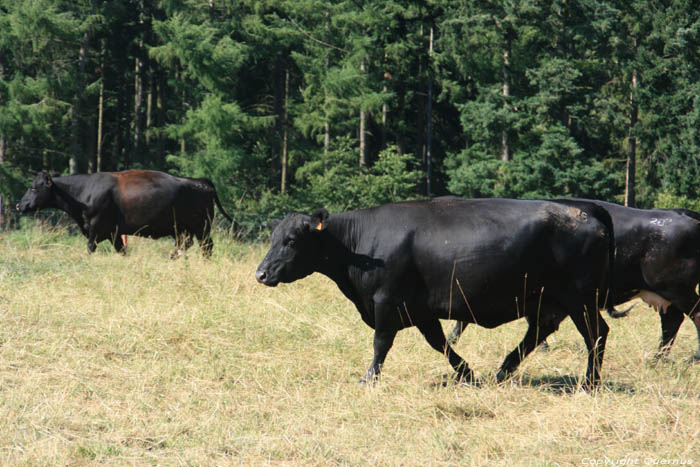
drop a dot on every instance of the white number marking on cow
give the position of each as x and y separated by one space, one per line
661 222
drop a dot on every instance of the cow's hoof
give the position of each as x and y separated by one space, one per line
176 254
544 346
503 375
695 358
659 357
452 339
466 377
591 387
368 380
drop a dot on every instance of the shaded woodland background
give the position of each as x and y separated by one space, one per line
296 104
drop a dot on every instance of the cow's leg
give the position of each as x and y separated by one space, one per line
205 241
92 240
383 340
432 331
594 330
207 245
539 328
182 242
118 243
457 331
671 320
683 301
98 226
187 241
696 322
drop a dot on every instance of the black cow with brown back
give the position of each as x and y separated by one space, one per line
107 205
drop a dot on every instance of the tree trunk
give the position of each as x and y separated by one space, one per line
73 163
161 88
326 133
149 110
276 146
385 118
91 144
3 142
138 107
385 106
419 123
505 143
118 145
184 112
285 132
632 146
100 120
429 117
127 143
363 129
138 97
327 122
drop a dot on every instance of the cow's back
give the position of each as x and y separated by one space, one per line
153 203
444 252
652 242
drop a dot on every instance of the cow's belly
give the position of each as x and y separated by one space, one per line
497 296
151 231
167 222
488 311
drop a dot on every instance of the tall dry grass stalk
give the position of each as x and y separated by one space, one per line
144 360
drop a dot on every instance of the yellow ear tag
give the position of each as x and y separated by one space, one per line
319 226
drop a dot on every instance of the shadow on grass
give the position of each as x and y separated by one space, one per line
564 384
451 380
568 384
660 359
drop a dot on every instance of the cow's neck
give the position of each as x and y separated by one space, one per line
339 255
68 190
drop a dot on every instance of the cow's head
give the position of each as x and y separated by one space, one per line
39 195
295 249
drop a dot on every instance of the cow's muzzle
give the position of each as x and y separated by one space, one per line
262 277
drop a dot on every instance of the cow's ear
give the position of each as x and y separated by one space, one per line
272 224
319 218
48 180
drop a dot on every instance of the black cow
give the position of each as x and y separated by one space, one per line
486 261
658 259
107 205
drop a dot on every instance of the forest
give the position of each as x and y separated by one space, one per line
296 104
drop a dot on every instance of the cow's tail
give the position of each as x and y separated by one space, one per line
604 217
689 213
218 203
221 209
619 313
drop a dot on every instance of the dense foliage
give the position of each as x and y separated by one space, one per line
293 104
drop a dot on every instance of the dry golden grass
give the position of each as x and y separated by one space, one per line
141 360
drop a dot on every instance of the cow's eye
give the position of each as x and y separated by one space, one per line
290 243
33 190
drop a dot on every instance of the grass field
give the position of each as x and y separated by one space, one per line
142 360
